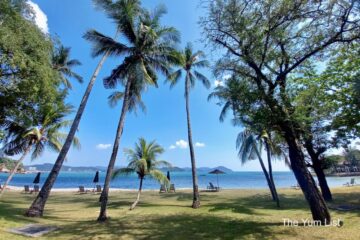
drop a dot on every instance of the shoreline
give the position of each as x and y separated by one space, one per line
75 190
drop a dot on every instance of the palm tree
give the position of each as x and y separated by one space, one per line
250 146
63 64
37 207
143 161
149 49
34 135
189 62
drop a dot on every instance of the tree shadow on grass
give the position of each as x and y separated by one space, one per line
181 226
13 214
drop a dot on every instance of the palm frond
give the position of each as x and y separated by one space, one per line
204 80
159 176
102 44
122 172
114 98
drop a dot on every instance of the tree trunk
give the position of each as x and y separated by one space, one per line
138 196
315 200
316 164
37 207
276 196
264 170
105 193
27 150
196 197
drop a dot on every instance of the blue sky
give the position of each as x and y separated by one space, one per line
165 119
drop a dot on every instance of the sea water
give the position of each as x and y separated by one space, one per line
232 180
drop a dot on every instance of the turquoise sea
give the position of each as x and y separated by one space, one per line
231 180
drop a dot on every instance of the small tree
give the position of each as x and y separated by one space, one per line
35 135
143 161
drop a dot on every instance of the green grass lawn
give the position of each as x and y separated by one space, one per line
229 214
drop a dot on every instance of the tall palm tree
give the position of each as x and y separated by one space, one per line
250 146
189 62
143 161
37 207
149 49
35 135
63 64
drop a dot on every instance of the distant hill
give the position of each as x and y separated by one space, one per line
46 167
9 164
200 169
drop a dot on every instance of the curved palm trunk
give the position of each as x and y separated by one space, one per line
27 150
196 197
264 170
138 196
37 207
105 193
275 195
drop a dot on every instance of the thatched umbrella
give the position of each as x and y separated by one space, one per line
217 172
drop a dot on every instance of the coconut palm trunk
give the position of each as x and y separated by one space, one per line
196 197
264 170
38 205
138 195
275 195
13 171
105 193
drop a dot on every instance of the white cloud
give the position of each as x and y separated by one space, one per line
103 146
199 144
40 17
218 83
181 144
226 77
221 82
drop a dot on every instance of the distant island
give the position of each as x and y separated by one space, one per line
46 167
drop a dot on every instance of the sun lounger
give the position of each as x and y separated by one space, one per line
351 183
82 190
297 187
212 188
36 188
27 189
172 188
98 189
162 188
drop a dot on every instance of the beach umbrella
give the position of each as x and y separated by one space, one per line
168 175
37 178
96 178
217 172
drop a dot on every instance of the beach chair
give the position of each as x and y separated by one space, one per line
98 189
162 188
36 188
27 189
212 188
172 188
82 190
351 183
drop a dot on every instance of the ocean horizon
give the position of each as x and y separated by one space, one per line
232 180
